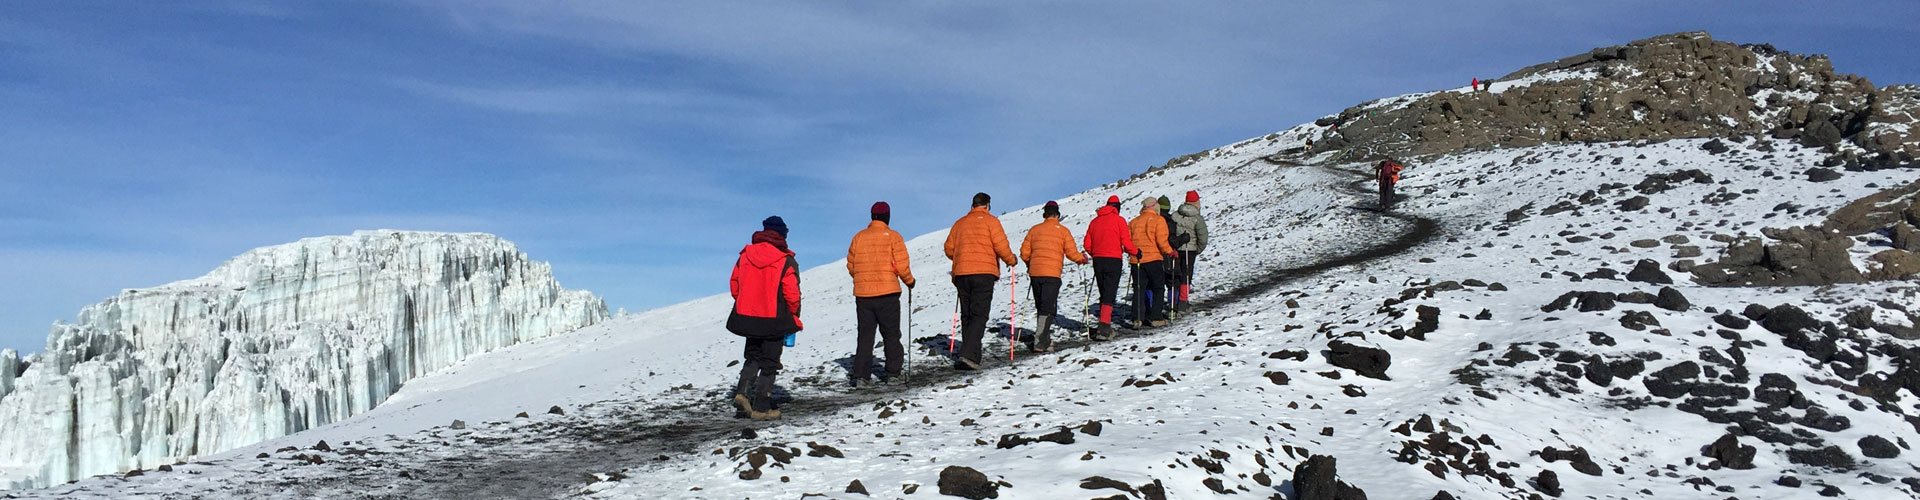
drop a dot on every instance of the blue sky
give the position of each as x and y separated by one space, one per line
634 145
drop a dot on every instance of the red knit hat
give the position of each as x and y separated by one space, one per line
1193 196
880 207
1052 204
1113 199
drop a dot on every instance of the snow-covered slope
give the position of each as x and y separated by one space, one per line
1504 332
275 341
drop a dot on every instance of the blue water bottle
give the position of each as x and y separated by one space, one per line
789 340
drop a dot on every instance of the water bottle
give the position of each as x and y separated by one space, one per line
789 340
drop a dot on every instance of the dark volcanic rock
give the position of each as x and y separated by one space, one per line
1671 300
965 482
1648 271
1548 482
1786 318
1730 453
856 487
1728 320
1317 479
1799 256
1830 457
1818 174
1673 381
1878 447
1364 360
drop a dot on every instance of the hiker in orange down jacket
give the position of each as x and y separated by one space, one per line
977 245
878 261
766 309
1150 232
1047 245
1107 240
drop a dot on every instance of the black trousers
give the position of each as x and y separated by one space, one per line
976 301
883 314
1153 288
1386 195
1046 295
1184 275
761 362
1106 273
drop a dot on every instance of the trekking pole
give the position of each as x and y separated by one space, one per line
1086 295
1013 312
908 372
955 330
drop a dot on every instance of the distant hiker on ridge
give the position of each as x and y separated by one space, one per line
766 309
1150 232
1191 229
1388 172
1047 244
977 245
1107 240
879 263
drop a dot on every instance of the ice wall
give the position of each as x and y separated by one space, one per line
275 341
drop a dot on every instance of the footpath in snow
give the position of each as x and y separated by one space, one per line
1481 386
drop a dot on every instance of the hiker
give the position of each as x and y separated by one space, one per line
766 310
1388 172
1476 84
1107 240
1488 84
1149 271
1166 292
1309 143
1047 244
1191 230
878 261
976 245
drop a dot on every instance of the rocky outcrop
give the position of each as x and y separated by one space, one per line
1674 86
275 341
1818 255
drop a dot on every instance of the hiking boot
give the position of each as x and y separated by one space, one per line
894 380
741 406
966 364
1044 337
1103 332
764 415
1158 323
863 383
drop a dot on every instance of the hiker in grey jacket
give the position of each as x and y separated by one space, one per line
1187 222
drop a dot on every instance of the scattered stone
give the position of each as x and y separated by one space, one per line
1727 319
1278 378
1548 482
556 411
1671 300
1818 174
1730 453
1648 271
1644 243
965 482
856 487
1061 435
1364 360
1317 479
458 425
1878 447
1830 457
1101 482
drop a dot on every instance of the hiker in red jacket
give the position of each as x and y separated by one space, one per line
1108 240
1389 174
766 310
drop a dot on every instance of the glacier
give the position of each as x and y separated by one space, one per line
277 340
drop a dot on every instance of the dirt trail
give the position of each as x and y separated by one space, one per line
694 421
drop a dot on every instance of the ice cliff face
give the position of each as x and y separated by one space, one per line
275 341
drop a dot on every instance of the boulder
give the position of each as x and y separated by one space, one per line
1893 264
1317 479
1821 174
1648 271
965 482
1905 237
1671 300
1730 453
1365 360
1878 447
